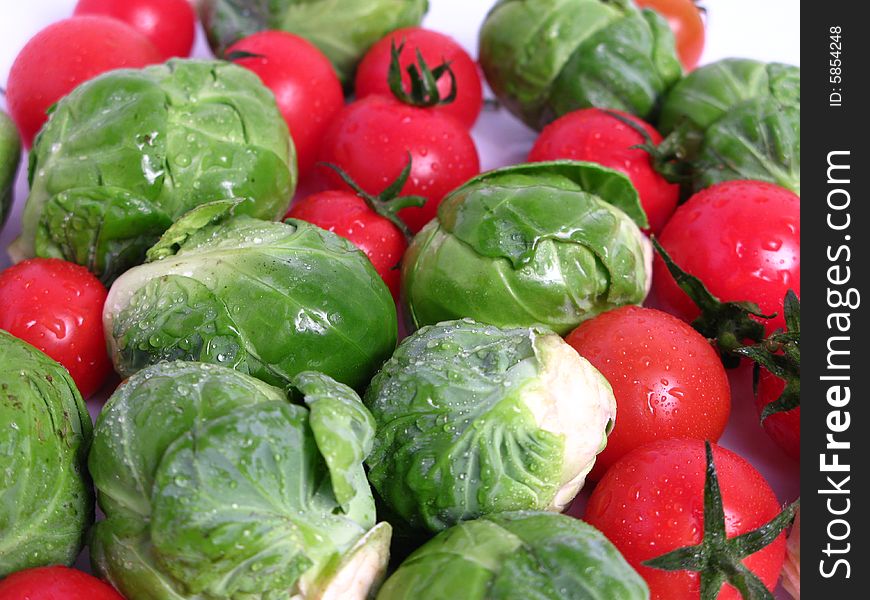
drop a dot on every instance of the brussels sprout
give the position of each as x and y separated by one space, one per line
474 419
342 29
737 119
215 485
268 299
10 156
127 153
46 502
546 58
548 244
517 555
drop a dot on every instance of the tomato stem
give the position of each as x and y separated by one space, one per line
729 324
424 81
718 558
388 203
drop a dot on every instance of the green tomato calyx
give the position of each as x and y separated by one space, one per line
388 203
718 558
424 81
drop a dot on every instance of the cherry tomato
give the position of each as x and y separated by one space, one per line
169 24
652 502
596 136
783 427
62 56
371 139
305 85
742 240
436 48
57 307
684 18
55 583
348 215
668 380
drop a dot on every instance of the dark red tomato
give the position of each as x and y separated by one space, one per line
436 48
784 427
668 380
55 583
595 136
371 140
169 24
652 502
304 82
62 56
348 215
57 307
684 18
742 239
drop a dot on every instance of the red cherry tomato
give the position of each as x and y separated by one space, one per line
169 24
742 239
652 502
348 215
668 380
57 307
593 135
62 56
436 48
55 583
372 138
304 82
784 427
684 18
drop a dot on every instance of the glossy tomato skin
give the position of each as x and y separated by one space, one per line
742 239
372 138
169 24
57 306
668 381
784 428
652 502
595 136
371 76
62 56
55 583
348 215
684 19
305 85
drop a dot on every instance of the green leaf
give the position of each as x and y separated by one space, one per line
215 485
517 555
46 502
128 152
270 299
547 244
735 119
263 459
10 157
460 432
344 431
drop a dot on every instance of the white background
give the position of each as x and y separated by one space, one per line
763 29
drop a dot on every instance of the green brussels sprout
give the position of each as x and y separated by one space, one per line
266 298
10 156
517 555
342 29
737 119
474 420
46 501
215 486
548 244
125 154
546 58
